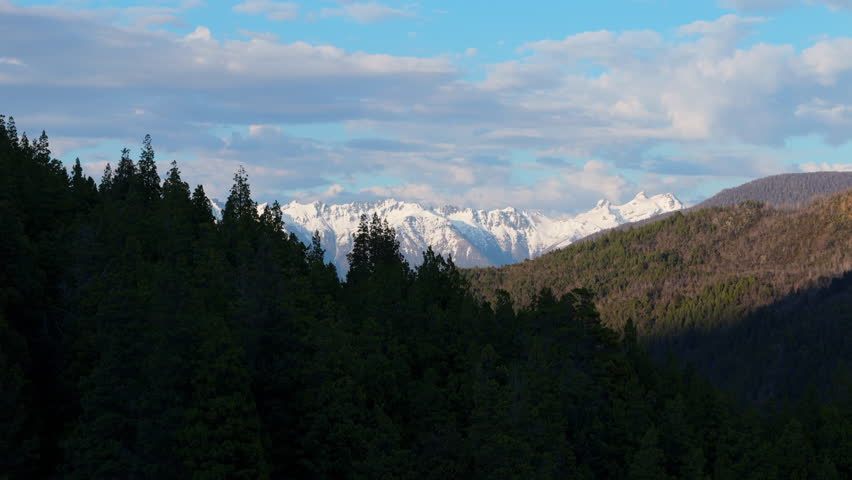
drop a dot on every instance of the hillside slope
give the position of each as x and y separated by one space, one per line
782 350
696 274
786 190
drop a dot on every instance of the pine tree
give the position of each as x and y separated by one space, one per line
384 246
222 437
647 462
83 190
148 176
240 209
18 444
24 145
174 188
498 450
202 211
316 254
41 149
107 181
125 179
677 440
359 259
793 452
272 219
103 443
77 179
12 131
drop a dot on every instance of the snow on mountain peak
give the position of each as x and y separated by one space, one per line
471 237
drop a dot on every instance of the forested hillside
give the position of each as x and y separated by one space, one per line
786 190
139 338
694 275
789 190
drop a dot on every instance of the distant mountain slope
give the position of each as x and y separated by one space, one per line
786 190
693 274
471 237
791 189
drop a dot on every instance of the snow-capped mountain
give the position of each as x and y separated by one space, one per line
472 237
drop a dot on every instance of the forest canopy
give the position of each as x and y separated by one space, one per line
139 338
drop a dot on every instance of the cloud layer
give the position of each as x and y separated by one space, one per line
270 9
368 12
567 121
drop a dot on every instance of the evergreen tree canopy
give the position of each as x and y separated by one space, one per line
140 338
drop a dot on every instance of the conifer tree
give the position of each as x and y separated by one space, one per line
24 144
107 181
41 148
125 178
647 462
12 131
316 254
174 188
18 444
272 218
202 211
83 189
148 176
77 179
240 209
359 257
222 437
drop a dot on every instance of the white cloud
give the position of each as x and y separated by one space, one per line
698 107
197 60
572 189
368 12
272 10
261 130
830 114
728 26
603 46
11 61
826 167
704 88
143 16
827 60
200 33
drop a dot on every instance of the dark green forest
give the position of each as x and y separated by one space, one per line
757 298
139 338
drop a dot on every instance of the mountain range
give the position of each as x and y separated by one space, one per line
474 238
787 190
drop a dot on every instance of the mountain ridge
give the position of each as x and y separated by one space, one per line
787 190
784 190
473 237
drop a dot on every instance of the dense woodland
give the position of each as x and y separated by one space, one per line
741 292
786 190
139 338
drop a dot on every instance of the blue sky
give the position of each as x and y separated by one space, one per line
549 104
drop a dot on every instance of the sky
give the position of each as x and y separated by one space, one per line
549 105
